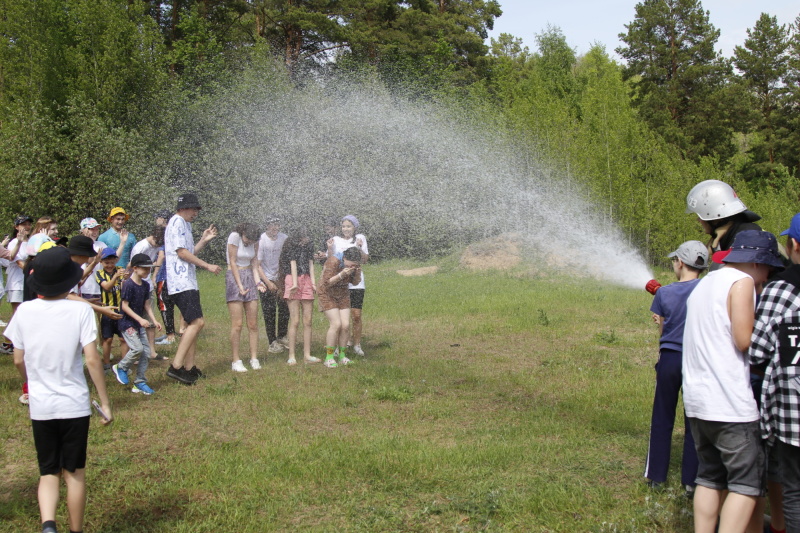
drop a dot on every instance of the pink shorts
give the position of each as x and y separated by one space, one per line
304 291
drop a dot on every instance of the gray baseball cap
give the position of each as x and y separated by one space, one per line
693 253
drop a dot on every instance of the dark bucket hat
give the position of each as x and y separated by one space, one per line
54 272
81 245
753 246
188 200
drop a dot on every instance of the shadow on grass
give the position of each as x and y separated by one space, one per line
157 512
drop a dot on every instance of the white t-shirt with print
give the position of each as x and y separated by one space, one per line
244 254
14 272
269 253
181 275
53 362
340 244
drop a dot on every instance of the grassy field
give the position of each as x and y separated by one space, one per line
486 402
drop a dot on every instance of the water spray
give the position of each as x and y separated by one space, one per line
350 148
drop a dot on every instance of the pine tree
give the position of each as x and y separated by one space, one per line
677 75
763 62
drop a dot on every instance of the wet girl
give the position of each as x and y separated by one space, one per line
297 267
351 239
242 283
334 299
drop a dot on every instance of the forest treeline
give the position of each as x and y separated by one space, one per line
110 102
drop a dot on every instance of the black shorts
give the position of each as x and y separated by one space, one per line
60 444
109 327
356 298
188 302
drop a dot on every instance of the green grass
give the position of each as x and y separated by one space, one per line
487 402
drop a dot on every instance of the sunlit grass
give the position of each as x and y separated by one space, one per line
486 402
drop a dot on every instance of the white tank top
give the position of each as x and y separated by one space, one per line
716 375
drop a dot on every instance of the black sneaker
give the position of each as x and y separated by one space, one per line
196 373
180 374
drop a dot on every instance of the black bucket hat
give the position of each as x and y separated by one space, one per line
54 272
753 246
81 245
188 201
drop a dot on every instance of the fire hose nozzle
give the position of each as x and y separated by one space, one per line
652 286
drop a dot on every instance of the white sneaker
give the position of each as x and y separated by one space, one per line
255 364
344 361
238 366
275 347
24 399
284 341
358 351
3 323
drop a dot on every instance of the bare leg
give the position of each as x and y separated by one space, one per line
308 308
707 503
736 512
236 310
294 321
184 355
107 350
356 320
756 524
251 312
344 317
332 336
151 340
76 497
48 496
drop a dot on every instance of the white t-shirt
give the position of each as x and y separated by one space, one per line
56 383
269 253
14 272
716 374
244 254
90 286
181 275
144 247
340 244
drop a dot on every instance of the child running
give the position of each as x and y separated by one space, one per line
669 312
334 299
297 265
59 395
135 296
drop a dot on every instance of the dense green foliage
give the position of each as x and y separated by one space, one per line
118 102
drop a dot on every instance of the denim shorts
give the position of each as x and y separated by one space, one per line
731 456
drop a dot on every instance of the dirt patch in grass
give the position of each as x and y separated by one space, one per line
422 271
497 253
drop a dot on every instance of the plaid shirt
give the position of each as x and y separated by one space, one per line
776 344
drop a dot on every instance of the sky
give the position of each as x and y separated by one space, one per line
585 22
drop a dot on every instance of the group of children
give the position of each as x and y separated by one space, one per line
281 269
722 336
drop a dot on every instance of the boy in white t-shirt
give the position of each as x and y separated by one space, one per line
53 367
716 384
181 263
